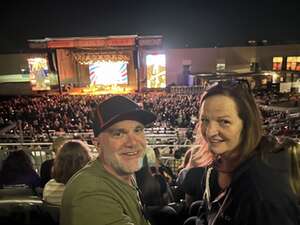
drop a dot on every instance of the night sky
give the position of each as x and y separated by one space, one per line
184 23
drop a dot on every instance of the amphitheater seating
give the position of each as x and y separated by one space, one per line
20 210
163 215
51 212
21 206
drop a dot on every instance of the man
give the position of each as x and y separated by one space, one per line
105 192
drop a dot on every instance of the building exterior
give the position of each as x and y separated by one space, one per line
229 59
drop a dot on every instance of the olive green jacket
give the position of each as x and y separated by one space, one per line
95 197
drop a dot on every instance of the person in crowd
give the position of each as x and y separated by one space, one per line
148 185
160 169
152 186
65 113
155 191
46 166
183 169
17 169
71 156
105 191
243 185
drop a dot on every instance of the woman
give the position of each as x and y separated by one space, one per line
243 185
47 165
71 156
17 169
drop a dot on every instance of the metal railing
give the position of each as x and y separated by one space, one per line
39 152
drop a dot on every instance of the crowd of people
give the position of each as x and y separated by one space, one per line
69 113
65 113
281 123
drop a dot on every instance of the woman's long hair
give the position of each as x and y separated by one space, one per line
17 163
71 156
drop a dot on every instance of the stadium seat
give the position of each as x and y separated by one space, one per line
178 193
190 221
21 210
22 206
163 215
52 212
16 190
194 207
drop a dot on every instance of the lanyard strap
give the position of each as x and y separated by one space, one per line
206 194
207 198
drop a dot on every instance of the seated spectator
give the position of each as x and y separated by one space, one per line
183 169
17 169
153 189
160 169
149 186
71 156
46 166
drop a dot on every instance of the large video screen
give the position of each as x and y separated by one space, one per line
293 63
277 63
38 74
108 73
156 70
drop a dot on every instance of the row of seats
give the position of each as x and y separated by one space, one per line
24 206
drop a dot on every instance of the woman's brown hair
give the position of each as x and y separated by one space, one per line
71 156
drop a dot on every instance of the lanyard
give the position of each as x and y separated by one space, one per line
207 198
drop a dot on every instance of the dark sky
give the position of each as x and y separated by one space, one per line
183 23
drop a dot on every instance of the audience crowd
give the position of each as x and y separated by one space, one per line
65 113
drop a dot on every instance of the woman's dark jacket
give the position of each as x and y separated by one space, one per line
260 192
261 195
